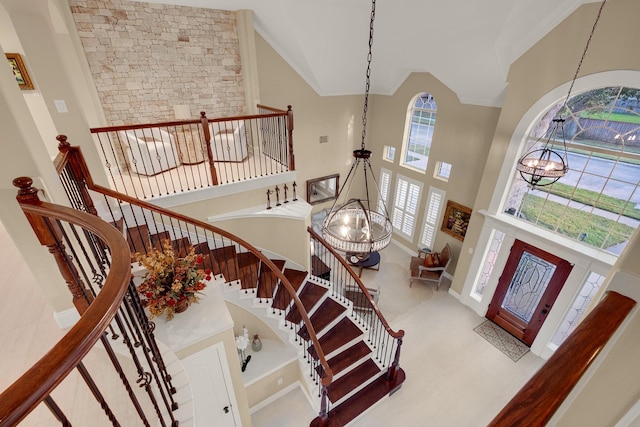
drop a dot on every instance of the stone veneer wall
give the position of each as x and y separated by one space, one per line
145 58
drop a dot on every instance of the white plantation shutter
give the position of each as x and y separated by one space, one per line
405 205
435 201
383 197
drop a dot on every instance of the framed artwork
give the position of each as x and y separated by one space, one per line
456 220
19 71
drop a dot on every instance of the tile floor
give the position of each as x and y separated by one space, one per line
454 376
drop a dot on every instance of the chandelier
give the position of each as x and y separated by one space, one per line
352 226
544 166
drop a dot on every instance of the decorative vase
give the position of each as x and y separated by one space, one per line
181 306
256 344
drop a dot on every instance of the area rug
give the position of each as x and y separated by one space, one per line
502 340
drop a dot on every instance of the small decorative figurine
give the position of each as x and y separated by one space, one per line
285 193
278 196
294 191
269 198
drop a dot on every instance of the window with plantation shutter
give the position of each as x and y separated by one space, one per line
383 184
405 205
432 215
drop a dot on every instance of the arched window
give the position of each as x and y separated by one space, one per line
421 118
598 201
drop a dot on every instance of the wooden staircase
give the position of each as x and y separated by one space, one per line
359 379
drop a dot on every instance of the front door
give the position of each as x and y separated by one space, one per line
529 285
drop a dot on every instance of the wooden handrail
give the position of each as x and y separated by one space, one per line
363 288
75 153
276 113
20 398
542 395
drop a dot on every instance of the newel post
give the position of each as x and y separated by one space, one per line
204 121
395 365
324 413
72 165
50 235
292 158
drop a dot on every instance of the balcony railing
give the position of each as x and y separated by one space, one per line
150 160
94 260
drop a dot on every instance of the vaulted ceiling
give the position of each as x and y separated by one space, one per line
467 44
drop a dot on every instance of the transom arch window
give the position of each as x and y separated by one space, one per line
421 120
598 202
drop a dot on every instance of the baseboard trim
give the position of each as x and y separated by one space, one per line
67 318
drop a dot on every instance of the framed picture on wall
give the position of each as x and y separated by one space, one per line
456 220
19 71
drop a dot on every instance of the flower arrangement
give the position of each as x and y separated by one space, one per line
170 283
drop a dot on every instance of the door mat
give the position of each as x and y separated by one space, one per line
502 340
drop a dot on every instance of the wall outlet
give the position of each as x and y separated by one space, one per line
279 382
324 139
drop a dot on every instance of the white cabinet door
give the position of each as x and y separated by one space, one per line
213 395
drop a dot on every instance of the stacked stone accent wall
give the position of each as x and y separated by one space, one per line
145 58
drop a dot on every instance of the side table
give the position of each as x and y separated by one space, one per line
190 151
371 262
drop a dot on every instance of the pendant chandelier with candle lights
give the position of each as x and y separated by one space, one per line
544 166
353 225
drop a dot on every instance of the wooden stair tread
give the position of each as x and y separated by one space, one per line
203 249
224 262
159 238
341 333
118 224
328 311
182 246
138 239
248 270
309 296
351 380
348 410
268 280
282 297
346 358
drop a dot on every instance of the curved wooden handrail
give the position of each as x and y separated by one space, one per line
20 398
275 110
542 395
363 288
194 121
66 148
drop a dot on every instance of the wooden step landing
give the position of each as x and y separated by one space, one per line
328 311
348 410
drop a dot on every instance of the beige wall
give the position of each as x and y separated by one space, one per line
338 117
547 65
462 137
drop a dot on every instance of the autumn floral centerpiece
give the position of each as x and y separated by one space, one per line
170 283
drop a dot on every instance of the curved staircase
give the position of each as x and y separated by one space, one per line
360 377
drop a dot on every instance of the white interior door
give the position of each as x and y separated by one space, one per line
213 395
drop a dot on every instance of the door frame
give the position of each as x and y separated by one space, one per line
584 262
527 332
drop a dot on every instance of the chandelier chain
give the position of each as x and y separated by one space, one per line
368 75
584 53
